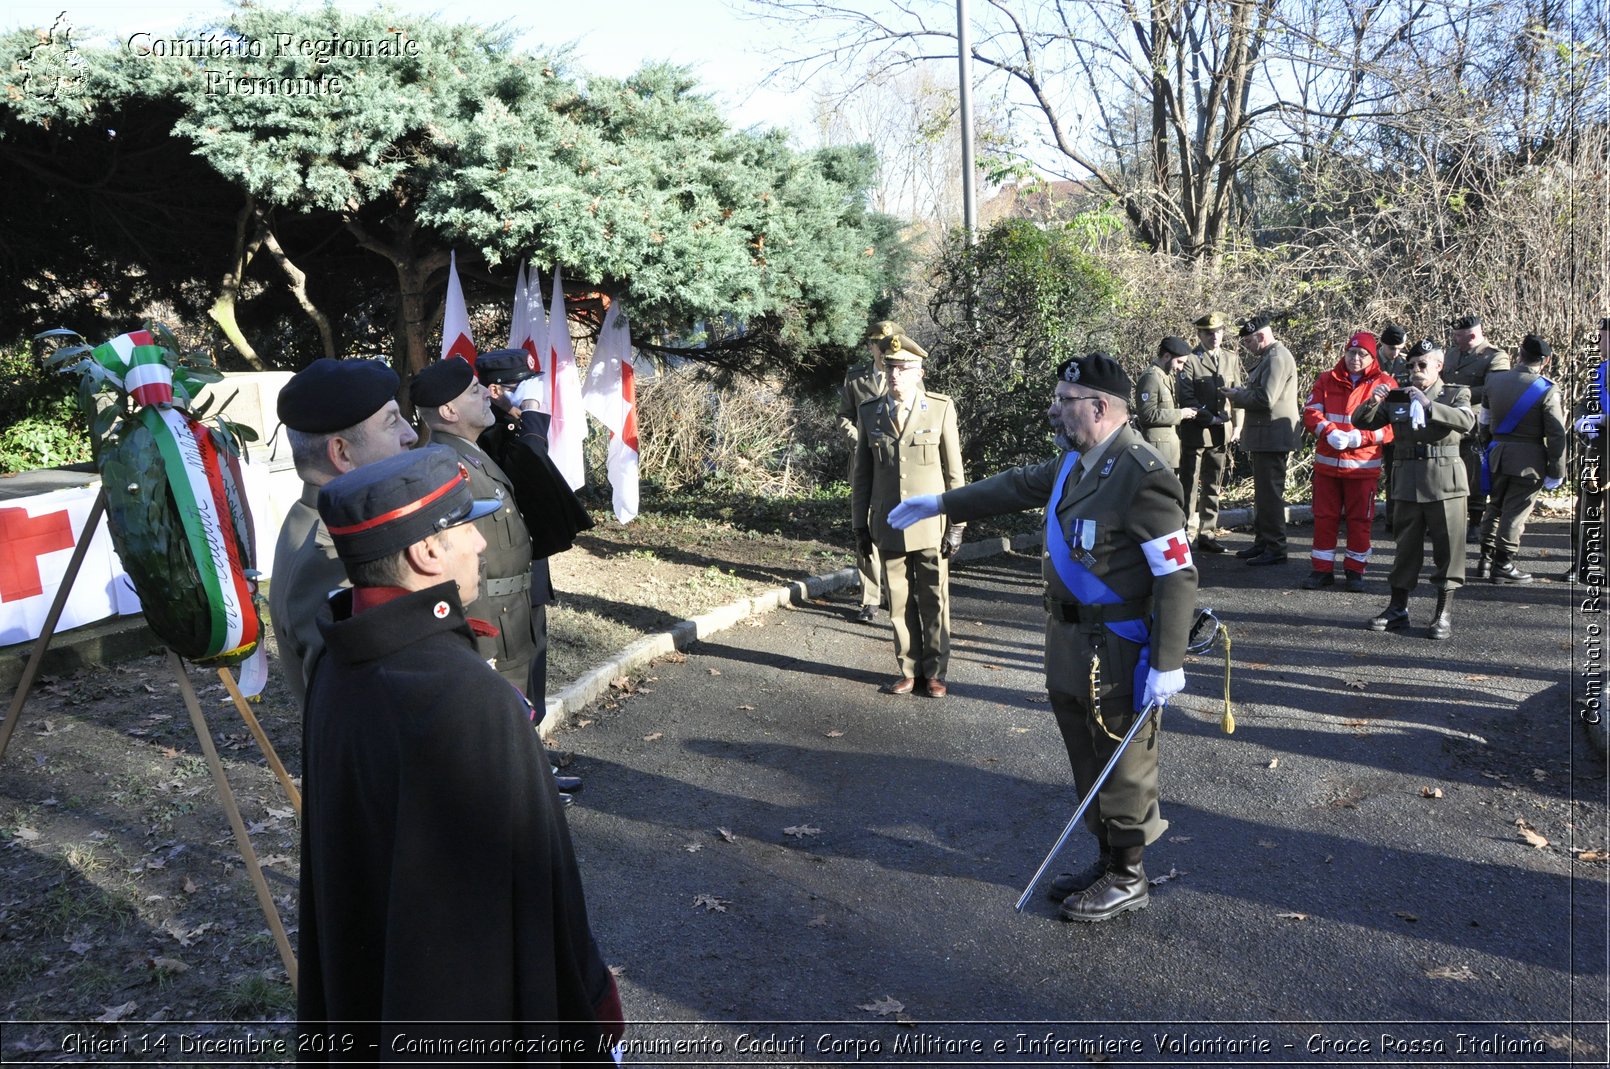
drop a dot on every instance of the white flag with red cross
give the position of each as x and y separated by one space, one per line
611 398
568 427
456 340
1169 553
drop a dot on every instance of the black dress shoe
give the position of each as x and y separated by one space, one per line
867 614
1268 556
1317 579
1251 551
1508 573
1073 883
1122 888
567 783
1209 544
1354 584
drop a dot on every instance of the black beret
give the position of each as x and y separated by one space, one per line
438 383
1425 346
1097 371
1174 346
504 367
1253 325
1466 322
384 507
1392 334
1534 348
332 395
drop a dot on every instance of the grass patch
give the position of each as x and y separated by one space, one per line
255 997
577 641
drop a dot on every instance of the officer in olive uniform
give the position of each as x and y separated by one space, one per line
1523 423
1120 593
862 383
1389 354
1471 362
457 409
908 444
1157 413
1206 440
1273 430
1429 420
339 415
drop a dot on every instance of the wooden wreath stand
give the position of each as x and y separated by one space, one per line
198 721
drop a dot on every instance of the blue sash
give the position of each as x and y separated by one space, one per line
1512 419
1604 388
1083 584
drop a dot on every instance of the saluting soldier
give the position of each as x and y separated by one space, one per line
908 444
1470 363
1429 419
339 415
1272 431
1120 594
1523 423
458 409
1205 440
862 383
1157 413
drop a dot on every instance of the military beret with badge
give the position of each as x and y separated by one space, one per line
333 395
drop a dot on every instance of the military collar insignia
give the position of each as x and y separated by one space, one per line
1106 469
440 610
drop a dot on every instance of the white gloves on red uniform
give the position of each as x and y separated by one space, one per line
1340 439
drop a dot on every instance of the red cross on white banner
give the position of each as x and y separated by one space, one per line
23 540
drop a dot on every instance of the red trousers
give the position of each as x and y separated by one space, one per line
1333 497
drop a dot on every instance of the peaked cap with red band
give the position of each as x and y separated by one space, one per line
385 507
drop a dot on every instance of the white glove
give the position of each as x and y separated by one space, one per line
1341 440
1161 686
1551 483
1417 415
914 510
1588 426
533 389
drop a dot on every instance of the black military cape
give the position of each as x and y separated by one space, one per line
438 879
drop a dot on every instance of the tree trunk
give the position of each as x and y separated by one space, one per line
299 289
413 276
222 311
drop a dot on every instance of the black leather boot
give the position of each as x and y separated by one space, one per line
1395 616
1484 565
1504 571
1442 620
1072 883
1122 887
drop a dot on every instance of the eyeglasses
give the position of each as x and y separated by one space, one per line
1423 365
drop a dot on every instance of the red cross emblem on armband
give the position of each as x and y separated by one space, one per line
1177 551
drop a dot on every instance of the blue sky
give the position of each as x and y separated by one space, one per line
725 47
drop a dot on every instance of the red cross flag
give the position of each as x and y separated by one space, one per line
37 536
611 397
456 340
1169 553
568 428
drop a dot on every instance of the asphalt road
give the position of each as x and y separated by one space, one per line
788 867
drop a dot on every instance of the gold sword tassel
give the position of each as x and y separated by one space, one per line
1228 721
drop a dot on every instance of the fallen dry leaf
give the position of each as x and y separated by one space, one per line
885 1006
25 834
1356 684
676 657
799 831
833 734
189 886
654 736
1530 834
1293 916
1040 699
715 671
1179 838
818 921
1268 844
1596 857
1274 762
994 668
1355 723
746 708
621 683
1430 792
1410 917
693 848
1477 679
1451 972
1171 874
1539 774
711 903
169 965
727 835
114 1014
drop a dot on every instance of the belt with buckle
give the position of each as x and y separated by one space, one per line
1072 612
499 588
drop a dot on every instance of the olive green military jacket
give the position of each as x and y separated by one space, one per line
923 457
1273 424
306 572
1426 465
1473 369
505 598
1133 499
862 383
1157 414
1201 386
1536 447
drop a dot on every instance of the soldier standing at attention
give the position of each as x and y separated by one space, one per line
1523 422
1120 592
458 409
1157 414
1272 432
1428 420
1205 441
339 415
908 444
1471 362
1390 356
863 382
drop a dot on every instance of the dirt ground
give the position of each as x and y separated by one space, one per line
123 897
